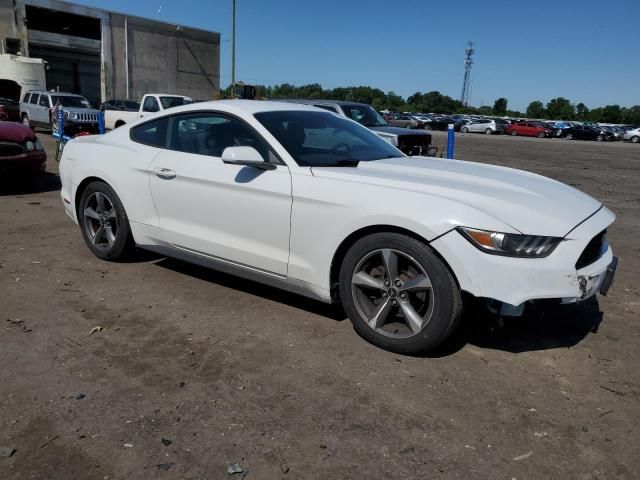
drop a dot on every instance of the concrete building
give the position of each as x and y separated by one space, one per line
103 55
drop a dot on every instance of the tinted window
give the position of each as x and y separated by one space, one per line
327 107
44 101
34 98
365 115
170 102
150 105
26 97
70 101
205 133
152 133
322 139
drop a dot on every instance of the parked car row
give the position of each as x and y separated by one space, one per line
525 128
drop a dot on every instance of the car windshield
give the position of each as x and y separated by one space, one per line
322 139
364 115
70 101
170 102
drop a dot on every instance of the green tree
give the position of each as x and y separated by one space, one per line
582 112
611 114
536 109
500 106
560 109
631 115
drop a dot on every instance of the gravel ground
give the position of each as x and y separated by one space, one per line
195 370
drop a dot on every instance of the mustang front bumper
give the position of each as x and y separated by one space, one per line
517 280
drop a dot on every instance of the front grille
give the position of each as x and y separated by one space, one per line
86 118
592 251
414 144
9 149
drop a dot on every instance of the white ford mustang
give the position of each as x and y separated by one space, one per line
303 199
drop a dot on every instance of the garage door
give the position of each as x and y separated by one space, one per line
71 71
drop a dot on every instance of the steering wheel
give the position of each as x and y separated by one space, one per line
339 148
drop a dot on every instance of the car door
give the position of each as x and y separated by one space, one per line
42 110
233 213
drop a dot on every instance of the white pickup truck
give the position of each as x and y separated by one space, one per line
119 112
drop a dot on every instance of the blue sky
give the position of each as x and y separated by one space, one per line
585 50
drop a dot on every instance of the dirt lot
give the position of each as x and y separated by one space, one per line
195 370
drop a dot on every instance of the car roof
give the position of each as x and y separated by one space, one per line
245 106
324 102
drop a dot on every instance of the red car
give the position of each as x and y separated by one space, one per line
21 153
528 129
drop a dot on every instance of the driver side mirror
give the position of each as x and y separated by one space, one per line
246 157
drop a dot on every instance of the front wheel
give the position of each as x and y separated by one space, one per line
514 133
104 223
25 121
465 130
398 294
541 135
569 136
635 139
599 138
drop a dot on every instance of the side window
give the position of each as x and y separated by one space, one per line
34 98
327 107
205 133
26 97
150 105
44 101
152 133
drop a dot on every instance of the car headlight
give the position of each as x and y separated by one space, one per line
39 145
392 140
73 115
510 244
29 146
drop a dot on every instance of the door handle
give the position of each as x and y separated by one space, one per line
165 173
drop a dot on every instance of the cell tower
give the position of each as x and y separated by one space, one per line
468 61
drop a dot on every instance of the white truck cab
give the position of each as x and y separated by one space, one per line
157 102
114 116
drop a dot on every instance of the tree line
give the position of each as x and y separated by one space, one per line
558 108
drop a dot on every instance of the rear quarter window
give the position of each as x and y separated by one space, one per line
153 133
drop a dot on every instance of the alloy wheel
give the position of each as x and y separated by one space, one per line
100 221
392 293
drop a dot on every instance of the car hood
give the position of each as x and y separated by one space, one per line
398 131
529 203
15 132
80 110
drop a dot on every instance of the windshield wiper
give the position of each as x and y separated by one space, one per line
341 163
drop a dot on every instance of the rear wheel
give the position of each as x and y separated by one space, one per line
398 293
635 139
599 138
488 131
541 135
104 223
514 133
465 130
25 120
569 136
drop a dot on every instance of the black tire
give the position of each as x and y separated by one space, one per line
465 130
445 294
26 121
599 138
514 133
569 136
635 139
488 131
123 245
541 135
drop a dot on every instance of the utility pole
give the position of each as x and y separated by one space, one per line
468 61
233 46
